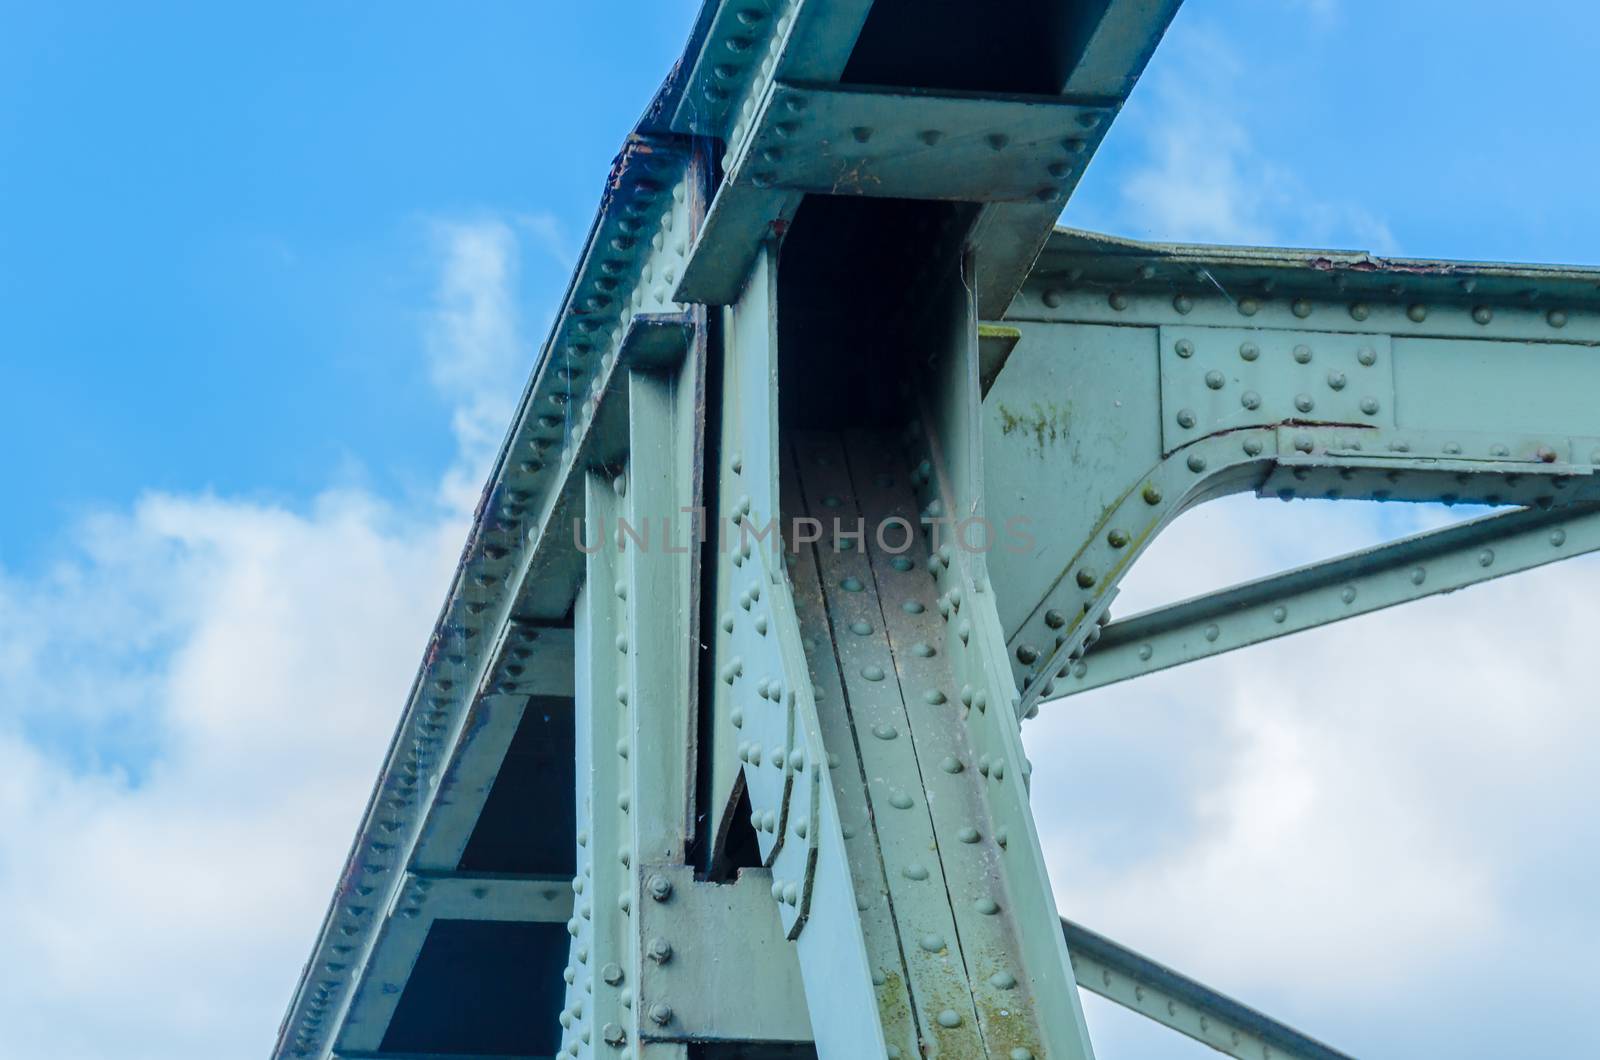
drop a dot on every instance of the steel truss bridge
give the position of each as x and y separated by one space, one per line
668 787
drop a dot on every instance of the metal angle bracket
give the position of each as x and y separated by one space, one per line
730 973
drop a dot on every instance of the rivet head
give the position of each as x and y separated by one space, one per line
1186 418
1482 314
1182 303
1303 443
1145 651
1118 301
915 871
1212 632
1279 614
1359 311
1300 308
900 800
1249 306
1558 538
931 942
1418 313
1085 579
1367 356
1184 348
1369 405
1303 402
1027 654
1252 447
1418 575
1151 493
1249 351
1302 354
1002 980
1250 399
949 1018
968 835
1336 380
1055 619
951 764
1215 379
1348 595
1556 318
1196 462
1486 558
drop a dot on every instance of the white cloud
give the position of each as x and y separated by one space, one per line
192 709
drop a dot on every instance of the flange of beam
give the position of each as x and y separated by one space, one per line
891 143
896 143
1439 561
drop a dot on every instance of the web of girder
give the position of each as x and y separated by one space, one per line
688 789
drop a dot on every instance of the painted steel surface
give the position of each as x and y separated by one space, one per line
666 745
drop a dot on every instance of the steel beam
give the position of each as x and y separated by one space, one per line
1174 1000
1427 564
1149 378
866 711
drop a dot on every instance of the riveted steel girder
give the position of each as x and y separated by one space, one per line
1147 379
836 724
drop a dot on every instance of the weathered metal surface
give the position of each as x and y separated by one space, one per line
863 709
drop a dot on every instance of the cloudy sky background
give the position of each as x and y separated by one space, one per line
271 285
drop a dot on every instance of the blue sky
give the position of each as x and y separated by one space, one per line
270 283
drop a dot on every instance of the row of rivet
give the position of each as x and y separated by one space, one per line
1302 308
966 657
848 592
